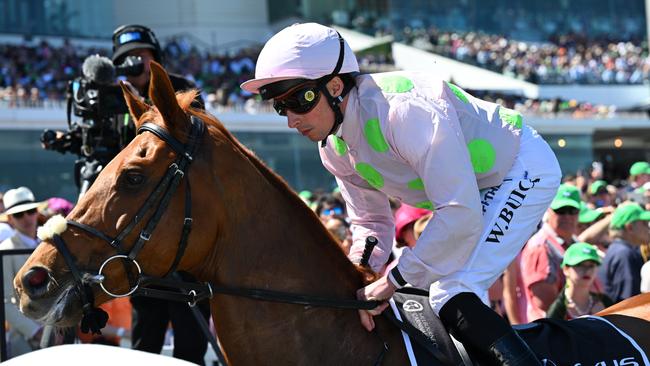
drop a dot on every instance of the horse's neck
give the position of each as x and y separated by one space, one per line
272 240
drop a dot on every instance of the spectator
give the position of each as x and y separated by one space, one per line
24 334
405 218
580 264
340 230
599 195
621 269
639 175
541 257
328 206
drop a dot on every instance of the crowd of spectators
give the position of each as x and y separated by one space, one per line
570 59
37 75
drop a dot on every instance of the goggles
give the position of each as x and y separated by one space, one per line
300 99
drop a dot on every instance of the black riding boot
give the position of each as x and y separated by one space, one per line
479 327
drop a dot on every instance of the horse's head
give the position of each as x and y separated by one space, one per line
132 218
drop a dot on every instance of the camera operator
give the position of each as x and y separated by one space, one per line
151 316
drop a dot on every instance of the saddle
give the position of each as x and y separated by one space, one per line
587 341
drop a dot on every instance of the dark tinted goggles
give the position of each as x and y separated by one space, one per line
299 100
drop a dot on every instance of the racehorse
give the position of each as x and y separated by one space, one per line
248 230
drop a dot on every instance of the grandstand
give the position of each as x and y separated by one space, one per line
543 64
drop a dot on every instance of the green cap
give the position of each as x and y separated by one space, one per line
627 213
579 252
597 186
640 167
306 195
587 215
567 195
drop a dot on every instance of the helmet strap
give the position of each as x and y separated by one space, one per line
334 102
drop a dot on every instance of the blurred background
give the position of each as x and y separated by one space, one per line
578 70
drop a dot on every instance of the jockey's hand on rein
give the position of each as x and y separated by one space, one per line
382 289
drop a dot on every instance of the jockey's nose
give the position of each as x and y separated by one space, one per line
292 120
35 281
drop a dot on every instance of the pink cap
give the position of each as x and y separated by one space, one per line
405 215
301 51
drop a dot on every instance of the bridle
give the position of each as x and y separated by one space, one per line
162 194
172 288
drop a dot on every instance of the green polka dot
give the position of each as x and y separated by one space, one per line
370 174
395 84
511 116
339 145
459 92
482 154
427 205
416 184
374 136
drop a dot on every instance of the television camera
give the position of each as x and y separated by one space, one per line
98 134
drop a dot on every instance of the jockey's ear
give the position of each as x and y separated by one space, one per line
163 97
136 106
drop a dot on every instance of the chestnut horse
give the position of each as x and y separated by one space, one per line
249 230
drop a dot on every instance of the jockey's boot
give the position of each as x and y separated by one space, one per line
481 329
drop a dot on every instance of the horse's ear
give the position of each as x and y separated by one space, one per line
136 106
163 96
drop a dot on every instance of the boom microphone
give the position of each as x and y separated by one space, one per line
98 69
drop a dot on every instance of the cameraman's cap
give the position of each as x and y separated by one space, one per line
130 37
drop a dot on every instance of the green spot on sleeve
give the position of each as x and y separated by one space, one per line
370 174
339 145
374 136
427 205
416 184
459 92
511 116
395 84
482 155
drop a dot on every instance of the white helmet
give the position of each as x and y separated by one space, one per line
302 51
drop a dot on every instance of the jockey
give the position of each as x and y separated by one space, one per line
488 176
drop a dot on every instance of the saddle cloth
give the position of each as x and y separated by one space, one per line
425 337
587 341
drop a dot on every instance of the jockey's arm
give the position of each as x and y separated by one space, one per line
370 215
431 141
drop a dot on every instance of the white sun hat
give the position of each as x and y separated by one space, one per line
19 200
301 51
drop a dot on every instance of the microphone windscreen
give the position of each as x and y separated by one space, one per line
99 69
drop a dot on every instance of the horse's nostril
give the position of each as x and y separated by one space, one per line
35 280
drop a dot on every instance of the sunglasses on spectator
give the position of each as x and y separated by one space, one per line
299 100
332 211
20 214
566 210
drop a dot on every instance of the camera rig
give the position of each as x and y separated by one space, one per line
101 131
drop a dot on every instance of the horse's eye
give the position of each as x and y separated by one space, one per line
134 179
